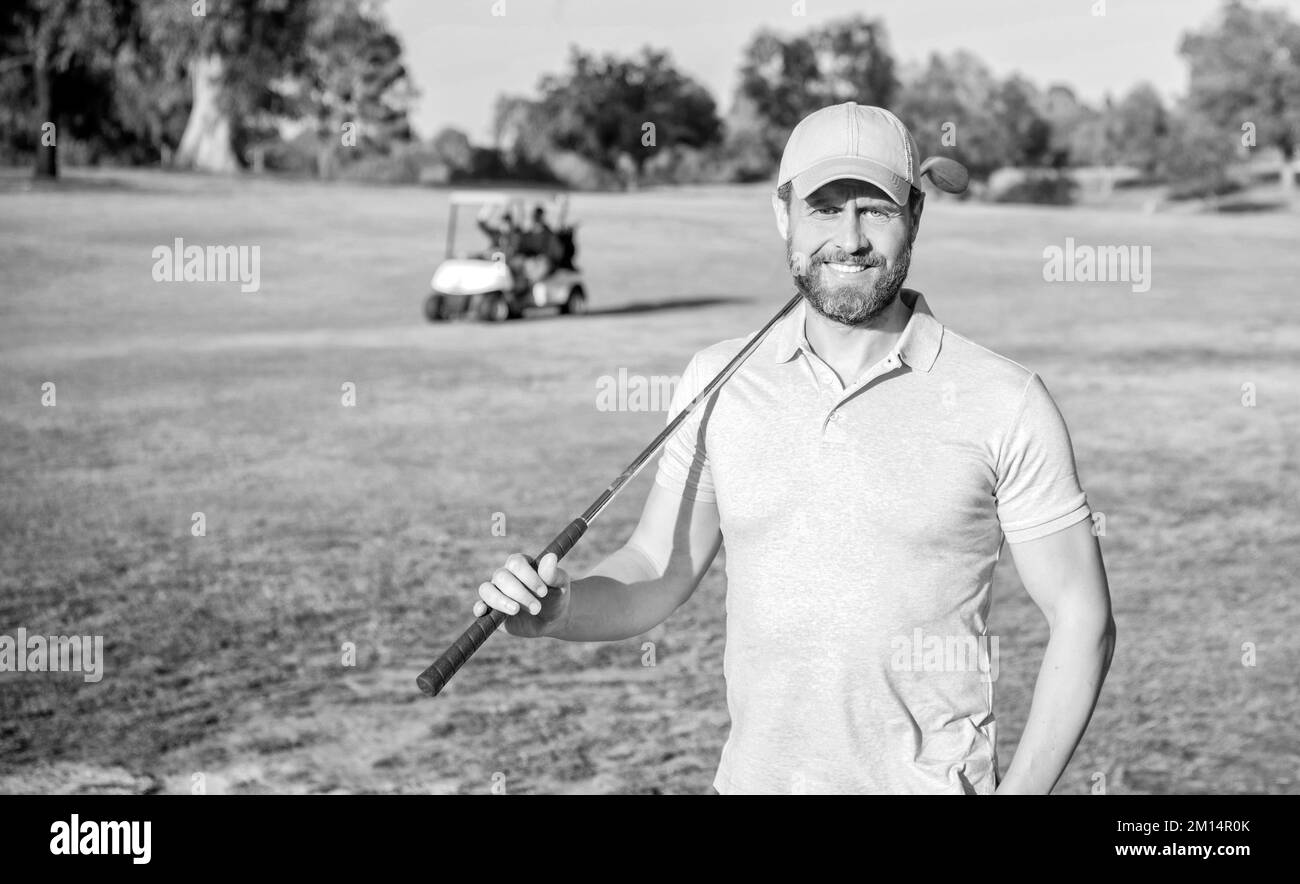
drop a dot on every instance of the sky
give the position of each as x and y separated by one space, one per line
461 55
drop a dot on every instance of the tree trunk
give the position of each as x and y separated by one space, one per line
1289 168
206 144
47 158
325 161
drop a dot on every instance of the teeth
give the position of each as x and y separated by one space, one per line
846 268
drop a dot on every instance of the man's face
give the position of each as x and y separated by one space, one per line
849 247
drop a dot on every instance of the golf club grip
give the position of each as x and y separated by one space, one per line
435 678
564 541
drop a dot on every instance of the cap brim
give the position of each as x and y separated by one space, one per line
856 168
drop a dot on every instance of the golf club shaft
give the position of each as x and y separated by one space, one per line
435 678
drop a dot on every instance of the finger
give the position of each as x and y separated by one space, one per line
497 599
509 584
518 566
480 608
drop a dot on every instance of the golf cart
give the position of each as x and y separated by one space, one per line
517 269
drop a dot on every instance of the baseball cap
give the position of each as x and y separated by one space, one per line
851 140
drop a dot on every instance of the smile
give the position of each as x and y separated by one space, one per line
846 268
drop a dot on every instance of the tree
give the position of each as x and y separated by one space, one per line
453 147
520 144
617 111
1194 158
1139 127
1069 121
1090 141
750 154
354 76
1245 69
783 79
517 123
238 54
151 92
955 106
1027 135
46 41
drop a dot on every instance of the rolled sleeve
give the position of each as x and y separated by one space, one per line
684 464
1038 491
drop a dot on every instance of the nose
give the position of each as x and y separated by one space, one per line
849 237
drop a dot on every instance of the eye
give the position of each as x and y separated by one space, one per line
826 210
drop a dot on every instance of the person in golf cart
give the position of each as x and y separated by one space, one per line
499 227
508 242
537 243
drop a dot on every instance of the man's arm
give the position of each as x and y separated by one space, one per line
629 592
652 575
645 580
1064 575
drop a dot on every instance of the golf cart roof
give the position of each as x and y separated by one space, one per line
503 197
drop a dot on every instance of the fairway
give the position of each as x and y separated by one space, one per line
372 524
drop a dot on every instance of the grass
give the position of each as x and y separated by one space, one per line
373 524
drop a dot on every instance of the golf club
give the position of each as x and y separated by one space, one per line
947 174
433 679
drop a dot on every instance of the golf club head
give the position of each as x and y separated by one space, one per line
947 174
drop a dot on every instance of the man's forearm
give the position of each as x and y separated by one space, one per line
623 596
1074 666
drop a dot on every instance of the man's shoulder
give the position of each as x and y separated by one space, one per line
959 356
709 361
714 357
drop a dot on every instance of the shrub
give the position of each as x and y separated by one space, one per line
1039 186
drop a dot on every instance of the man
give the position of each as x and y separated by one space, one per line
538 242
864 466
538 234
500 229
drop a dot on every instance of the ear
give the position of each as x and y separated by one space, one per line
782 214
916 216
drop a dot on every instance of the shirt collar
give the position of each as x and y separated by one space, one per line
918 345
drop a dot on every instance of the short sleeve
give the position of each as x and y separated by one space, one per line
1038 491
684 465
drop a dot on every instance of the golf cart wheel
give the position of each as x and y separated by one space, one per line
496 309
577 303
435 309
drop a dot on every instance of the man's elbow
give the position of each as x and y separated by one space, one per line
1091 621
1108 638
1098 628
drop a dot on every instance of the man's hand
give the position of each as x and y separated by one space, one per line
536 598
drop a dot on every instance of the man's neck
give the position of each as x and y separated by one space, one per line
850 350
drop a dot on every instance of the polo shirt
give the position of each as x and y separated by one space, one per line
862 524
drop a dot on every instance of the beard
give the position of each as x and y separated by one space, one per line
850 303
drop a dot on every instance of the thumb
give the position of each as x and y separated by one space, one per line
549 570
